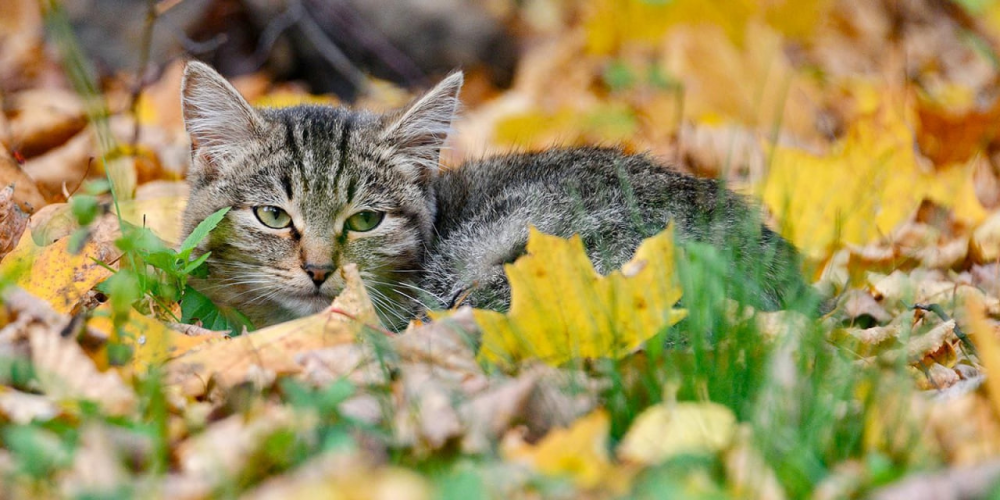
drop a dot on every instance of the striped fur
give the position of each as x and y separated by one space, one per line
446 235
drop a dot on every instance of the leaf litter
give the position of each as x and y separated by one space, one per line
888 185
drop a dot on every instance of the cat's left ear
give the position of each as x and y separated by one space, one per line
419 130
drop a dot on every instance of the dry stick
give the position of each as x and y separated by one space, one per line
329 51
349 22
273 30
140 72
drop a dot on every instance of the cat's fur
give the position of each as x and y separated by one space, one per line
445 235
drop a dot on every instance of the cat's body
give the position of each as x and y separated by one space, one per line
313 188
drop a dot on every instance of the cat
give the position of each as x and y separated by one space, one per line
312 188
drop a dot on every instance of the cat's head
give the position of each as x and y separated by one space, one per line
311 188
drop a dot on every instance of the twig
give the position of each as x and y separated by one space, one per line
329 51
274 29
350 23
147 45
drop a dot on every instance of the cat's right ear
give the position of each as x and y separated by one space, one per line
418 131
216 116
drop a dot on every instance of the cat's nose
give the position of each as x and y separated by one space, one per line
318 273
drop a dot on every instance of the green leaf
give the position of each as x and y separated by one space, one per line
85 208
195 306
201 232
195 264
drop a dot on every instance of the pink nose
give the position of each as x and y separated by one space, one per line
318 273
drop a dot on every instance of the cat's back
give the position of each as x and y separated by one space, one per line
569 188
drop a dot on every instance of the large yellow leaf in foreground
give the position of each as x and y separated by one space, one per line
867 185
562 309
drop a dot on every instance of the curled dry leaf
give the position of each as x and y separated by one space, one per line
13 221
24 408
26 194
44 119
938 377
63 370
275 348
67 165
858 303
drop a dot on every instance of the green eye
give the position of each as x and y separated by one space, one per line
364 221
273 217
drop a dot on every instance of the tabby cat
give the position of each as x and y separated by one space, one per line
315 187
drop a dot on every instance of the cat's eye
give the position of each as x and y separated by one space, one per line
363 221
273 217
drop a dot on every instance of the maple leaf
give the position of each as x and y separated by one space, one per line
868 184
561 308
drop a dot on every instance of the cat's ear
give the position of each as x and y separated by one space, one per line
216 116
419 130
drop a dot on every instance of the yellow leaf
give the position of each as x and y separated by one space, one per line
152 342
665 431
984 336
286 99
609 123
580 451
53 273
562 309
612 23
866 186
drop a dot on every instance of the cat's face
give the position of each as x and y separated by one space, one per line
311 189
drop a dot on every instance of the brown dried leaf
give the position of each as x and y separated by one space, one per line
274 349
858 303
24 408
26 193
226 447
67 165
44 119
97 468
13 221
64 371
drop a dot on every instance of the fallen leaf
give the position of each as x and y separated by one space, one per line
562 309
984 336
275 348
13 221
666 430
342 476
26 194
44 119
23 408
879 184
579 452
55 274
